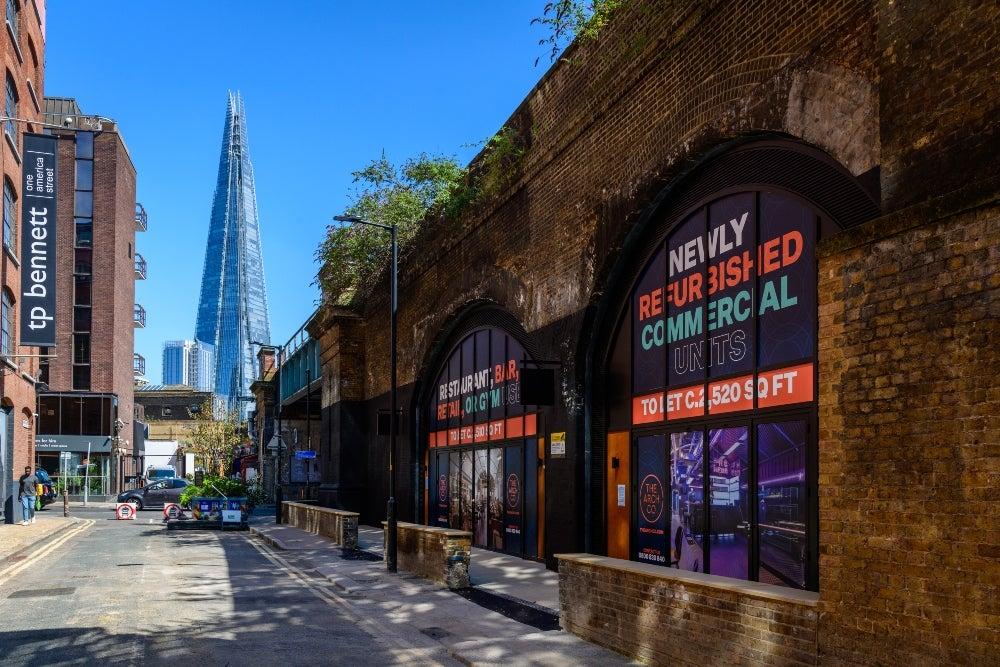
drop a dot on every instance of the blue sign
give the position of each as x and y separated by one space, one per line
305 454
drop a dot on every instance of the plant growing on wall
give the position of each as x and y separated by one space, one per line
567 20
387 194
217 434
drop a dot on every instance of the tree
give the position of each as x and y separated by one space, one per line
351 255
217 434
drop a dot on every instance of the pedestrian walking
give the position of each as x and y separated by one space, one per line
26 491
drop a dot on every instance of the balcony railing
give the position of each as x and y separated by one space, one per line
138 364
140 217
140 267
139 316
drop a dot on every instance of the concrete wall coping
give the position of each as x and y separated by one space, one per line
751 588
327 510
420 528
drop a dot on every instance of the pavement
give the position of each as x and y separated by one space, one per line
473 628
15 537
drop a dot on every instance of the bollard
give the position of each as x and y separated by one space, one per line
65 502
277 505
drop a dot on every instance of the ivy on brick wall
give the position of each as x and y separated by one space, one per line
568 20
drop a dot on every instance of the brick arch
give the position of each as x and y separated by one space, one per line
764 161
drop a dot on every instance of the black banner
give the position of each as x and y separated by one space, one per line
38 242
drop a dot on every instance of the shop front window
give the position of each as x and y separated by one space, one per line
482 451
721 324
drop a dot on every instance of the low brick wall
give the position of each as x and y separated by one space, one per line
665 616
339 525
439 554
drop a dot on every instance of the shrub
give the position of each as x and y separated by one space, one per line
214 487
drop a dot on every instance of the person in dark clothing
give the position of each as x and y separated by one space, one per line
26 495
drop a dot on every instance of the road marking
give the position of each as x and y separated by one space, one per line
371 626
48 548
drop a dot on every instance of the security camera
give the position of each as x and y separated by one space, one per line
67 121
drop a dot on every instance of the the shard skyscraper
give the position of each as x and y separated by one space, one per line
232 311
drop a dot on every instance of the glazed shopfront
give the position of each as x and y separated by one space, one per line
711 451
484 448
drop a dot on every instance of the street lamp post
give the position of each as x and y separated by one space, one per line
390 547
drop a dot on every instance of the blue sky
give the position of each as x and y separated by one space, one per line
327 84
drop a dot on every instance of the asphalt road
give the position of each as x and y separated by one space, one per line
122 592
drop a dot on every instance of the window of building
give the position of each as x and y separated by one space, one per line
81 348
10 108
719 340
84 174
43 366
84 232
84 262
81 377
9 216
82 291
13 12
85 145
83 204
7 324
81 319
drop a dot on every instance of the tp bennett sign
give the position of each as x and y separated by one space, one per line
38 241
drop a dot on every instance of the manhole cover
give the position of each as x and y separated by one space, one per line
435 632
41 592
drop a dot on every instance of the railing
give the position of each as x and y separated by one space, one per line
140 267
141 222
138 364
97 484
139 316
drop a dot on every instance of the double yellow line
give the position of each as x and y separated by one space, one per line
401 648
64 537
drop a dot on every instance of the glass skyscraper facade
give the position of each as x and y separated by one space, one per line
189 362
232 311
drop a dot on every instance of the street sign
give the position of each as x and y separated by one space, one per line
125 511
232 516
171 511
305 454
275 443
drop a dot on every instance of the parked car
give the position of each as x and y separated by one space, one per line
155 494
48 487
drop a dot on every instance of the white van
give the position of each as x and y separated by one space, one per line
154 473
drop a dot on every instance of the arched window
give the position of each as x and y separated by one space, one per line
6 323
719 343
9 216
10 106
13 12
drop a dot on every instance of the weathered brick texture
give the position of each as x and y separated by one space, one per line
439 554
644 612
910 440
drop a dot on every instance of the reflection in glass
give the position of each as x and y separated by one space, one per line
455 491
496 498
687 500
467 491
781 503
482 494
729 522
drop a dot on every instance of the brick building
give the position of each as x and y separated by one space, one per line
89 399
24 69
759 242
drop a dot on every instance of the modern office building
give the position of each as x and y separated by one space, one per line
232 312
24 66
86 408
189 362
